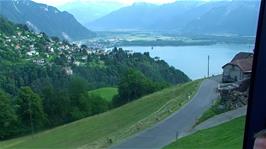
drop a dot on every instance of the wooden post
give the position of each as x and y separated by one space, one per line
208 66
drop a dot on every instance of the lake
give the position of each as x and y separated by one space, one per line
193 60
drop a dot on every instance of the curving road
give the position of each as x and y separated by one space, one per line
178 123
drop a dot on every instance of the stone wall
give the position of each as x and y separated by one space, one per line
235 98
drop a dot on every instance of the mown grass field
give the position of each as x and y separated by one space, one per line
94 132
225 136
106 93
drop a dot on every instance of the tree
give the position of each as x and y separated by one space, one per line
99 105
82 107
8 118
62 107
77 87
77 90
55 39
30 109
84 46
49 103
133 85
6 26
57 106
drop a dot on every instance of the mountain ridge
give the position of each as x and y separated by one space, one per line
181 16
87 12
44 18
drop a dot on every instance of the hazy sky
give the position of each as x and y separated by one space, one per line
125 2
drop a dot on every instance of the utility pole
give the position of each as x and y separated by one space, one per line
176 135
208 66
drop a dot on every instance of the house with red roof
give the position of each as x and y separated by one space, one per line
239 68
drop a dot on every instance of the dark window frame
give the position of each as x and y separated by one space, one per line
256 114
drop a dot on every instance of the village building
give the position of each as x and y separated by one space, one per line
234 88
39 61
239 68
31 53
84 58
68 70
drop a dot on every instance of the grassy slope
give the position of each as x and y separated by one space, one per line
213 111
106 93
225 136
117 124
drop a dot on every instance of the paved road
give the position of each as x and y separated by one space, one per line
181 121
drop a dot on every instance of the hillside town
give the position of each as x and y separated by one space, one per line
43 50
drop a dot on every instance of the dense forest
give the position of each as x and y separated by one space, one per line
44 82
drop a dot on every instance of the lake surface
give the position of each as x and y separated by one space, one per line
193 60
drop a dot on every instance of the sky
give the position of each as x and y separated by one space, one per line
125 2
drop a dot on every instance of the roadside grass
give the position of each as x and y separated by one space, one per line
213 111
112 126
106 93
226 136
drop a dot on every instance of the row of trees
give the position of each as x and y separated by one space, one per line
24 114
117 63
29 111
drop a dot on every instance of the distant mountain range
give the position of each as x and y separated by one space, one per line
44 18
86 12
197 17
